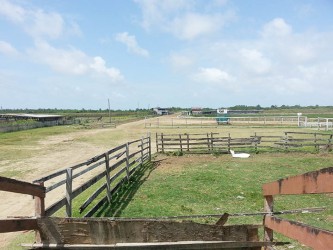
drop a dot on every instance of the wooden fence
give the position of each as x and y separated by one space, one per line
320 123
316 182
21 187
189 121
116 166
215 142
15 126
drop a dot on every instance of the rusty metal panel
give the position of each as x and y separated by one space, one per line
311 236
315 182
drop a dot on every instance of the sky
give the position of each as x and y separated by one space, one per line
77 54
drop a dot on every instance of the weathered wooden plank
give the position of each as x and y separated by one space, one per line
21 187
106 231
185 245
315 182
88 184
58 184
92 211
55 207
88 201
15 225
313 237
88 162
53 175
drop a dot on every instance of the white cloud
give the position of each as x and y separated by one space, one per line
72 61
37 22
100 67
276 28
181 19
213 75
11 11
253 60
44 24
131 43
179 61
157 12
193 25
7 49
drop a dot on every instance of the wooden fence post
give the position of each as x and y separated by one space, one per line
229 142
107 176
188 142
318 123
162 140
157 142
141 151
39 210
268 208
208 143
255 142
180 141
286 141
149 144
212 140
329 144
69 180
127 161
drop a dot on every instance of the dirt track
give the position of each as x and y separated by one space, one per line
59 152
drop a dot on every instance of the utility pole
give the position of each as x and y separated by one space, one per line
109 109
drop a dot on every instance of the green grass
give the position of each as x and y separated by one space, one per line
214 185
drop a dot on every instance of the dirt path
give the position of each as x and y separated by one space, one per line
59 152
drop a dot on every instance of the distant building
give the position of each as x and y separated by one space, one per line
196 111
36 117
161 111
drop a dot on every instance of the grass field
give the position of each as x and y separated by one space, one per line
178 185
208 184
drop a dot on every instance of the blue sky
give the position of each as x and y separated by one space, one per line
147 53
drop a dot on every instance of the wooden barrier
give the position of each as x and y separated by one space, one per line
315 182
21 187
118 164
214 142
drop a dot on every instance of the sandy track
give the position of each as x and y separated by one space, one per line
58 152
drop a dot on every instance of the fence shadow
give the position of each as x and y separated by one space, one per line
125 194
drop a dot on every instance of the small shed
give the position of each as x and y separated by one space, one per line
161 111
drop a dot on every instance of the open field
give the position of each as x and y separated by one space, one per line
28 155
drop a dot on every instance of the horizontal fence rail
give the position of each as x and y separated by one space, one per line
11 127
21 187
315 182
278 121
215 142
112 168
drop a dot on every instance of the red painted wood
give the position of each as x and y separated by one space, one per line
315 182
313 237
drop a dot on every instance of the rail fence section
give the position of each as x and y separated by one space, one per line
316 182
12 127
276 121
188 121
115 166
215 142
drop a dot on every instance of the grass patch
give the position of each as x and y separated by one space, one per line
213 185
